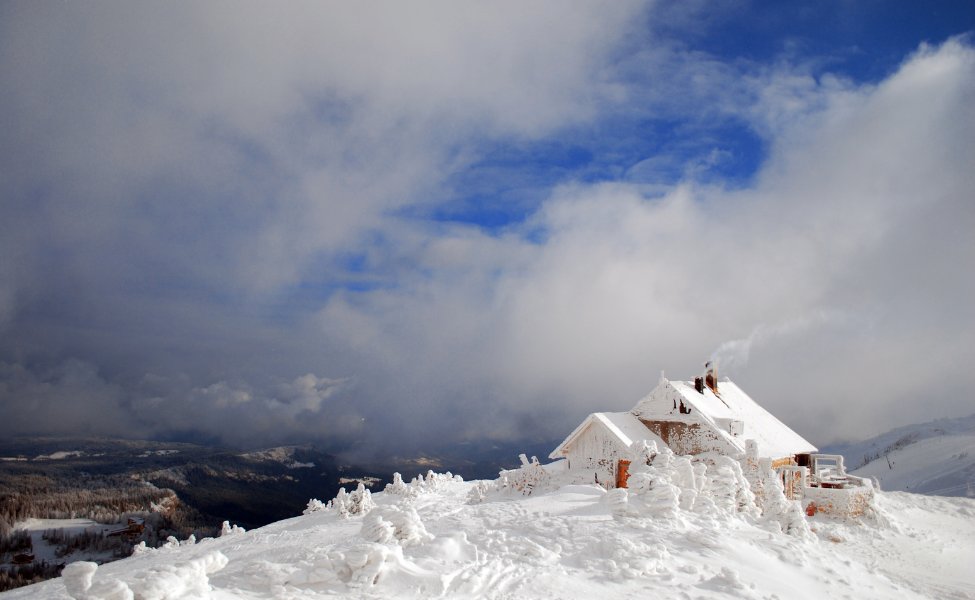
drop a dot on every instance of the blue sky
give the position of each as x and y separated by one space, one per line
390 225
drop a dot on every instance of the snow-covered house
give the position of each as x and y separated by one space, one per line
602 444
701 417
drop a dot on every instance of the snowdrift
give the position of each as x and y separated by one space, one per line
685 528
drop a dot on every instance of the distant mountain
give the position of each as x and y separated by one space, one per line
936 458
252 489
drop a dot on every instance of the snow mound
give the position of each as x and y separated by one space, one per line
165 582
395 524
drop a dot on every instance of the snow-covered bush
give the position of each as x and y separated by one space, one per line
314 505
421 484
354 504
662 487
778 513
228 529
726 489
140 548
531 476
433 482
479 491
394 524
401 488
662 484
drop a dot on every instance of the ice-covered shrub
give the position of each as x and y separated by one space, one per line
432 482
401 488
357 503
662 484
421 484
397 524
778 513
531 476
655 489
140 548
479 491
227 529
314 505
726 488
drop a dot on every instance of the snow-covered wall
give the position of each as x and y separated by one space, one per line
686 437
845 502
596 449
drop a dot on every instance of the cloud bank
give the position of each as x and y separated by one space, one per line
217 226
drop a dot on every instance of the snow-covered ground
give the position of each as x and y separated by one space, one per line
46 552
936 458
942 465
60 455
674 534
281 454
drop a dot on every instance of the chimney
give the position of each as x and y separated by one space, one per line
711 376
699 384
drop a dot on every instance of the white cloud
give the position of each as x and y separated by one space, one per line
238 143
179 184
843 259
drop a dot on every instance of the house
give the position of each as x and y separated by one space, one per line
707 416
601 444
133 529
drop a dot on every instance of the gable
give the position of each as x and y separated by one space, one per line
619 429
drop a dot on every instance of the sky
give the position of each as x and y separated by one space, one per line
392 225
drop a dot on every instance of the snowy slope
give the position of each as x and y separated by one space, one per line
442 537
937 458
943 465
44 551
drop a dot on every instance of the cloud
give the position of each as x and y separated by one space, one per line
67 399
230 146
210 219
176 182
838 263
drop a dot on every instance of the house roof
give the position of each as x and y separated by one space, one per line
774 438
624 426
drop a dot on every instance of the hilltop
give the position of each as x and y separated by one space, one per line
682 533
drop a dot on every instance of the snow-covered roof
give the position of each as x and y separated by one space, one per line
774 438
624 426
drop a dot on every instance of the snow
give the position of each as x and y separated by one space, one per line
686 528
366 481
624 427
281 454
943 465
60 455
43 551
149 453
